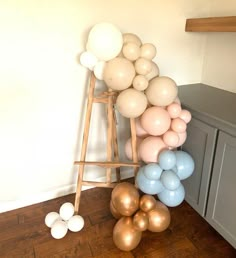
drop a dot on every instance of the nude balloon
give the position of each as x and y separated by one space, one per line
140 132
174 110
140 82
148 51
131 37
185 115
154 71
119 73
178 125
131 103
131 51
182 138
155 120
143 66
161 91
171 138
150 148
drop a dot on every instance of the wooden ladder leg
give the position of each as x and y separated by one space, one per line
109 135
134 144
115 144
85 141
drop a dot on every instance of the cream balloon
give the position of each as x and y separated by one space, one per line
140 82
105 41
130 37
131 51
66 211
75 223
99 69
143 66
154 71
88 60
161 91
59 229
119 73
131 103
148 51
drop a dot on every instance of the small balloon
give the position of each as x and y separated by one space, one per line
172 198
140 82
154 71
114 211
88 60
152 171
171 138
174 110
147 203
131 51
148 51
182 138
159 219
125 236
146 185
143 66
167 159
170 180
185 115
133 38
140 221
185 164
178 125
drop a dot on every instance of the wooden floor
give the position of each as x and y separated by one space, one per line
24 234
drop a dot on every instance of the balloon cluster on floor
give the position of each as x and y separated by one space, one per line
64 220
126 66
135 215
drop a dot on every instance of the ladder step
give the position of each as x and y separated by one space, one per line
98 184
107 164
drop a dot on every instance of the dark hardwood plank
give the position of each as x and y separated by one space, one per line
23 233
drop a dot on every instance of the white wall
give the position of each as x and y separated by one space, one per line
43 88
220 52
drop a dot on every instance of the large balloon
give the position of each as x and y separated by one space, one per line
99 69
170 180
125 198
148 51
133 38
185 164
159 219
155 120
152 171
131 103
161 91
105 41
147 202
172 198
119 73
150 148
125 236
114 211
88 60
146 185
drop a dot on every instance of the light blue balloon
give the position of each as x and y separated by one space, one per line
146 185
184 164
152 171
170 180
172 198
167 159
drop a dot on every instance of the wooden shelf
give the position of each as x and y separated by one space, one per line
212 24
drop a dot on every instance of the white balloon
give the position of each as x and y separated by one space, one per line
59 229
88 60
99 69
51 218
75 223
105 41
67 211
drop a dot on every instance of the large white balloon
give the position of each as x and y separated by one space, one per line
105 41
88 60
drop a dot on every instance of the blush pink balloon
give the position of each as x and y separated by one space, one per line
174 110
171 138
178 125
185 115
155 120
182 138
139 129
150 148
177 100
128 148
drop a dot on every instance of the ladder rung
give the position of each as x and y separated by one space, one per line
98 184
107 164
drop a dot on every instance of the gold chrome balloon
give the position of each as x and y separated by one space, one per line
114 212
147 203
125 236
140 220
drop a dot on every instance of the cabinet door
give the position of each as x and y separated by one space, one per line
200 144
221 210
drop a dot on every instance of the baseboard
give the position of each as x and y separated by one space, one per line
49 195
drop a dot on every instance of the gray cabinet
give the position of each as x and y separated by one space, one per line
211 141
200 145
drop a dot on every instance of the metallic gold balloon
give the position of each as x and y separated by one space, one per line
125 199
140 221
125 236
114 212
147 203
159 219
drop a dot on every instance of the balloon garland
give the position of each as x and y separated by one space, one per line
126 65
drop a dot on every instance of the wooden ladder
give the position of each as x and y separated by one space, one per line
108 98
